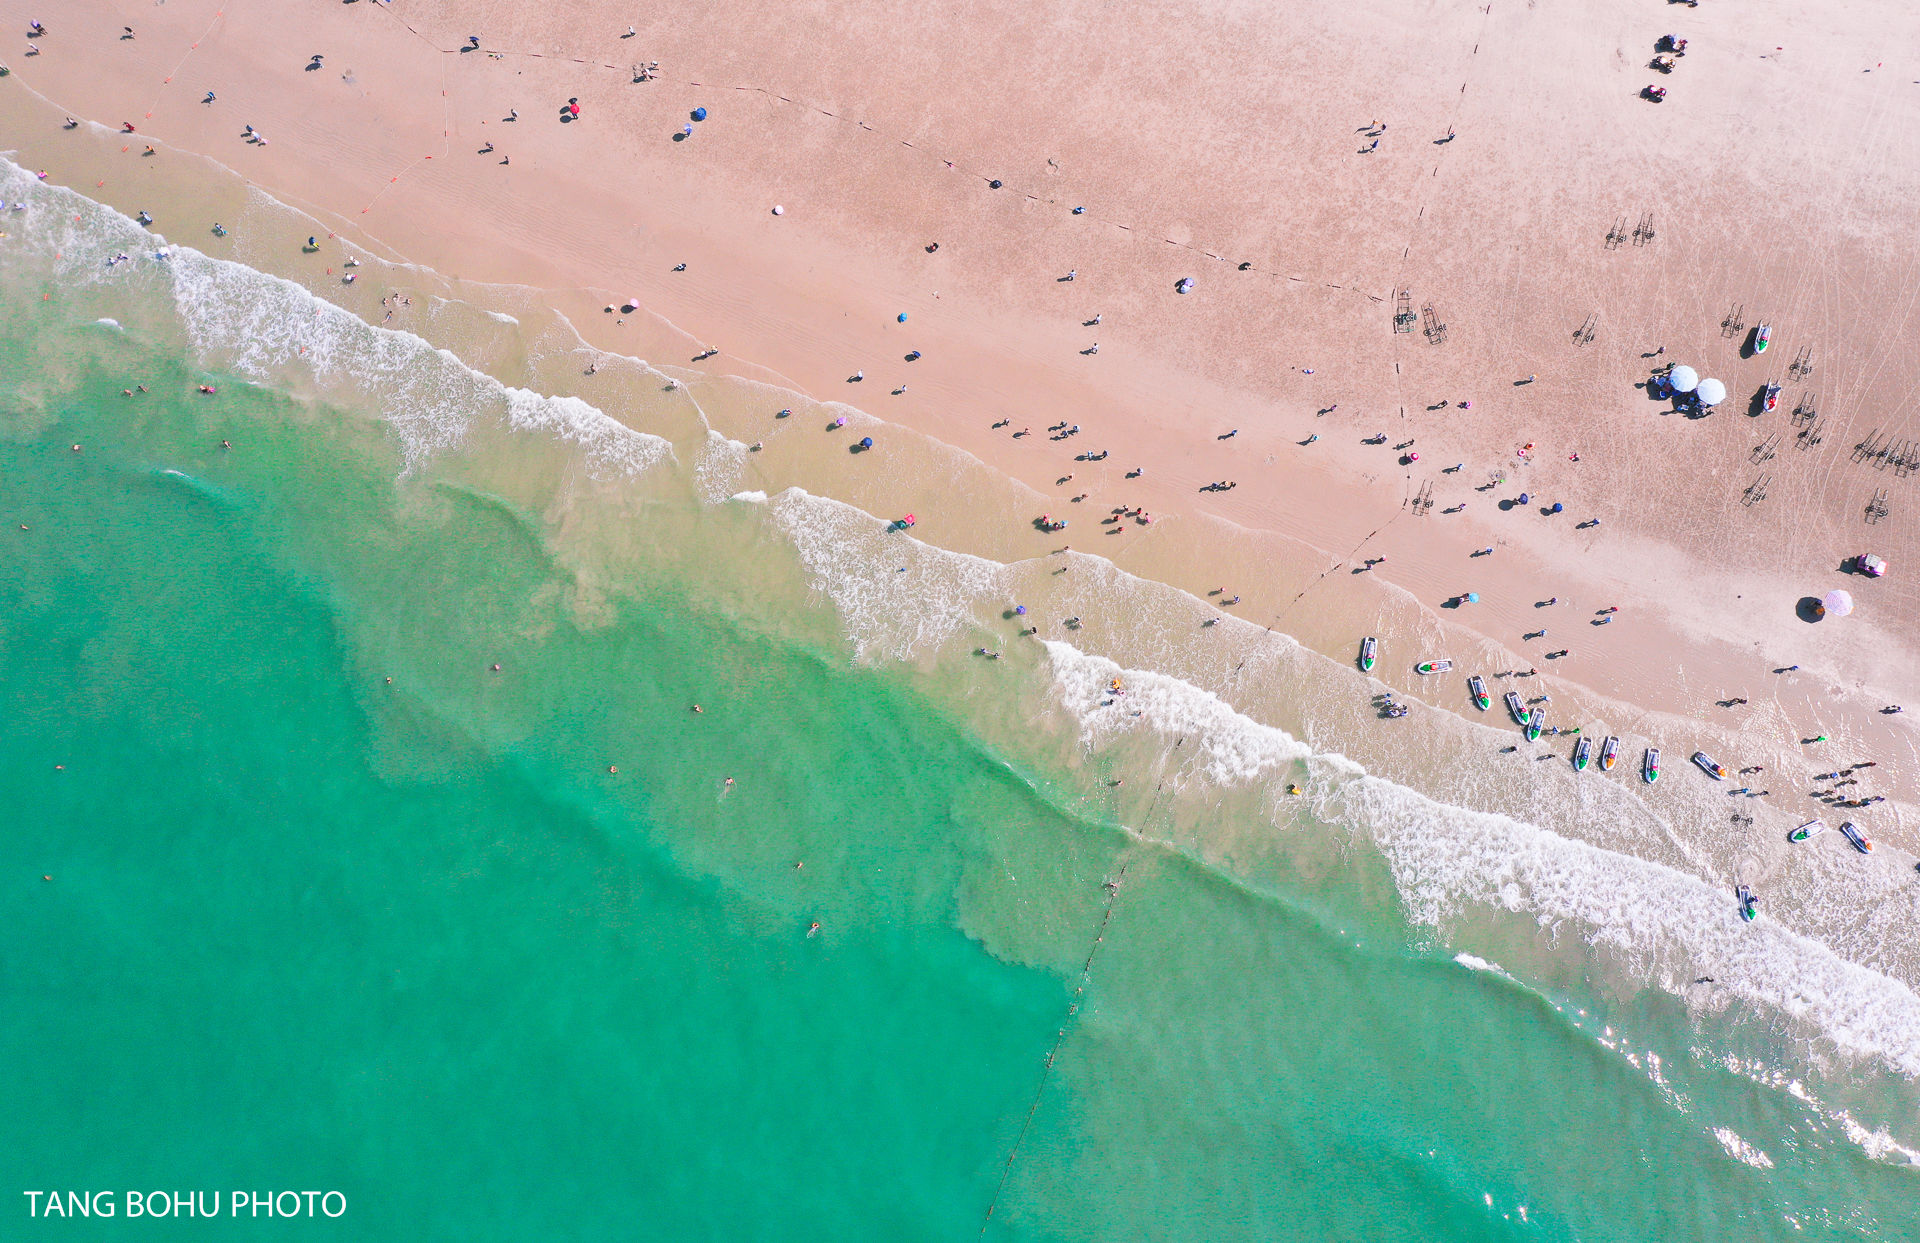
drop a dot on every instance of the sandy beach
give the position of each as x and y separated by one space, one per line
1555 237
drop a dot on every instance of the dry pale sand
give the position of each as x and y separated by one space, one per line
1222 142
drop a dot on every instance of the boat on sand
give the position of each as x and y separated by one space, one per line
1712 768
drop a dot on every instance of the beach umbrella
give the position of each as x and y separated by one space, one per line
1683 379
901 318
1473 597
1020 610
1837 603
1557 507
699 114
866 442
1524 498
1711 392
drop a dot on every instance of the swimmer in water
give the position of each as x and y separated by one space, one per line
813 927
697 708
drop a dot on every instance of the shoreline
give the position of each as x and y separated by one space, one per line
1444 871
992 362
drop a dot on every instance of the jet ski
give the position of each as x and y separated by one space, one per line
1534 722
1711 768
1582 752
1812 828
1516 709
1433 666
1852 834
1761 336
1772 397
1747 902
1650 765
1369 646
1478 689
1609 752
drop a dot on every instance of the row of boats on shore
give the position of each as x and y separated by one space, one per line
1532 722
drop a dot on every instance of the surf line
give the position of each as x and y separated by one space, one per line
1112 886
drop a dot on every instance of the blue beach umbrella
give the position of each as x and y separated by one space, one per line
1020 609
1473 597
699 114
866 442
1557 507
1524 498
901 318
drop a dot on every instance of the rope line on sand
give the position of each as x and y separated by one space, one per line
446 145
1340 564
182 62
1060 1037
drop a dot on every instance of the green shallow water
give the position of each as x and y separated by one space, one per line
414 942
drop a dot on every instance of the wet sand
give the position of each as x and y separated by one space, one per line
1778 177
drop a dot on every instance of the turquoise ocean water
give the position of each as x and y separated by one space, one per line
414 941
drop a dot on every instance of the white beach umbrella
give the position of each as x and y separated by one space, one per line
1837 603
1711 392
1683 378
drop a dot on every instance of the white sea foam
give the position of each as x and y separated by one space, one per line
900 598
273 331
1475 963
897 597
1229 748
1448 861
1878 1144
721 465
1740 1150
